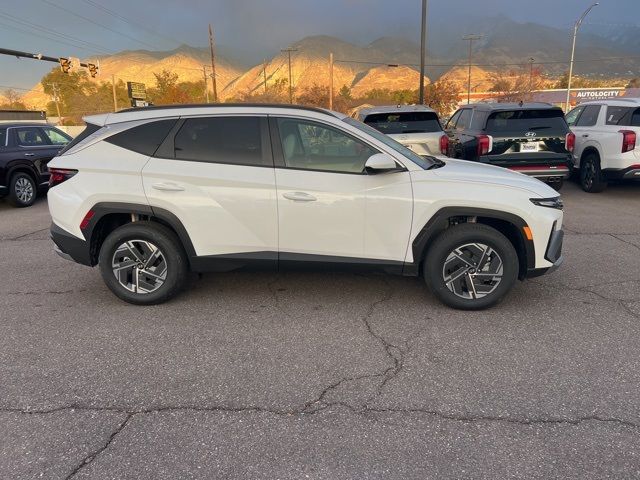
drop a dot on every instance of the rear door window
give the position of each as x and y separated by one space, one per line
518 122
589 116
31 137
3 137
573 115
232 140
404 122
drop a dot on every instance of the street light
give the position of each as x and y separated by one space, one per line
470 38
573 50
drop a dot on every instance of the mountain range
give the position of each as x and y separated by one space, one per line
602 51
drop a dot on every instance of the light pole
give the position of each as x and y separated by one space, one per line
423 49
288 51
470 38
531 60
573 50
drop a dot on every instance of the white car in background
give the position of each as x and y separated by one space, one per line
606 141
417 127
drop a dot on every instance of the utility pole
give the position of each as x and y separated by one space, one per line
113 88
423 49
264 74
531 60
206 87
54 86
331 81
288 51
213 65
573 51
470 38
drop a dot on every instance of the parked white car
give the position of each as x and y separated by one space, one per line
417 127
606 147
149 194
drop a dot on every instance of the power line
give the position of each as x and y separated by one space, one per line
98 24
134 24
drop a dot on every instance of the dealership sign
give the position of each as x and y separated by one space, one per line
597 94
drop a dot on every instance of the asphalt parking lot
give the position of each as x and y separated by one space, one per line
324 376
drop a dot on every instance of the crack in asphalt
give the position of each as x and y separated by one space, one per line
624 241
19 237
93 455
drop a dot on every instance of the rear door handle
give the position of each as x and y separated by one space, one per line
585 135
299 197
168 187
29 154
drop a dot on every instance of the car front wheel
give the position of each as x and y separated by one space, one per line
143 263
471 266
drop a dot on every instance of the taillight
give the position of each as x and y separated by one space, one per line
59 175
628 140
444 144
570 142
485 143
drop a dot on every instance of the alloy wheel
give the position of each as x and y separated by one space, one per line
139 266
472 270
24 190
589 174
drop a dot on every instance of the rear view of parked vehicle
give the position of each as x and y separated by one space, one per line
25 150
606 142
530 138
417 127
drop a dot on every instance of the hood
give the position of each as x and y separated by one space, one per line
465 171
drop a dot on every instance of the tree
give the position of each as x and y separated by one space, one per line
443 96
315 96
167 90
13 100
276 92
634 83
516 85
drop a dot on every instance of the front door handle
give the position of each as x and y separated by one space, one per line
585 135
29 154
299 197
168 187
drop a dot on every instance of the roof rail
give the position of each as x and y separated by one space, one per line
226 105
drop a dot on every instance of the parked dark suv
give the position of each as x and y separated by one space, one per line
25 150
531 138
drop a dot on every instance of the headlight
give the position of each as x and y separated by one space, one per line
554 202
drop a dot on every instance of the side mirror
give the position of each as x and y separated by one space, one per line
380 162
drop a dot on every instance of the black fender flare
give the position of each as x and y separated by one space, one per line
440 221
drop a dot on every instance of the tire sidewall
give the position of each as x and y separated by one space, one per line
457 236
597 183
163 239
13 197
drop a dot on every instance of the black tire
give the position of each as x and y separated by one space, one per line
22 190
556 185
465 234
173 258
591 178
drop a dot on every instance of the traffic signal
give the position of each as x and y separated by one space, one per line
65 65
93 69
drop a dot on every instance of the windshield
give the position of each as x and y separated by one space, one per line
404 122
423 162
544 122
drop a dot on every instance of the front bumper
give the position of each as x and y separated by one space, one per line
69 246
553 254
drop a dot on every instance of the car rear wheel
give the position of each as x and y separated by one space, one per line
591 177
471 267
143 263
22 190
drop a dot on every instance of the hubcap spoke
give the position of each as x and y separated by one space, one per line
472 271
139 266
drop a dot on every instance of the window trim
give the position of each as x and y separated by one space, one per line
166 150
278 153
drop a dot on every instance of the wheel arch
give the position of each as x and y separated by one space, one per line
18 166
108 216
589 150
509 224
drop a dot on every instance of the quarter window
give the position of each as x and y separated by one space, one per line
232 140
31 137
145 138
465 119
589 117
309 145
573 115
56 137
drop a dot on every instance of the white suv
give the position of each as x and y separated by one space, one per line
149 194
606 147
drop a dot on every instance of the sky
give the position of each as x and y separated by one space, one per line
251 29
